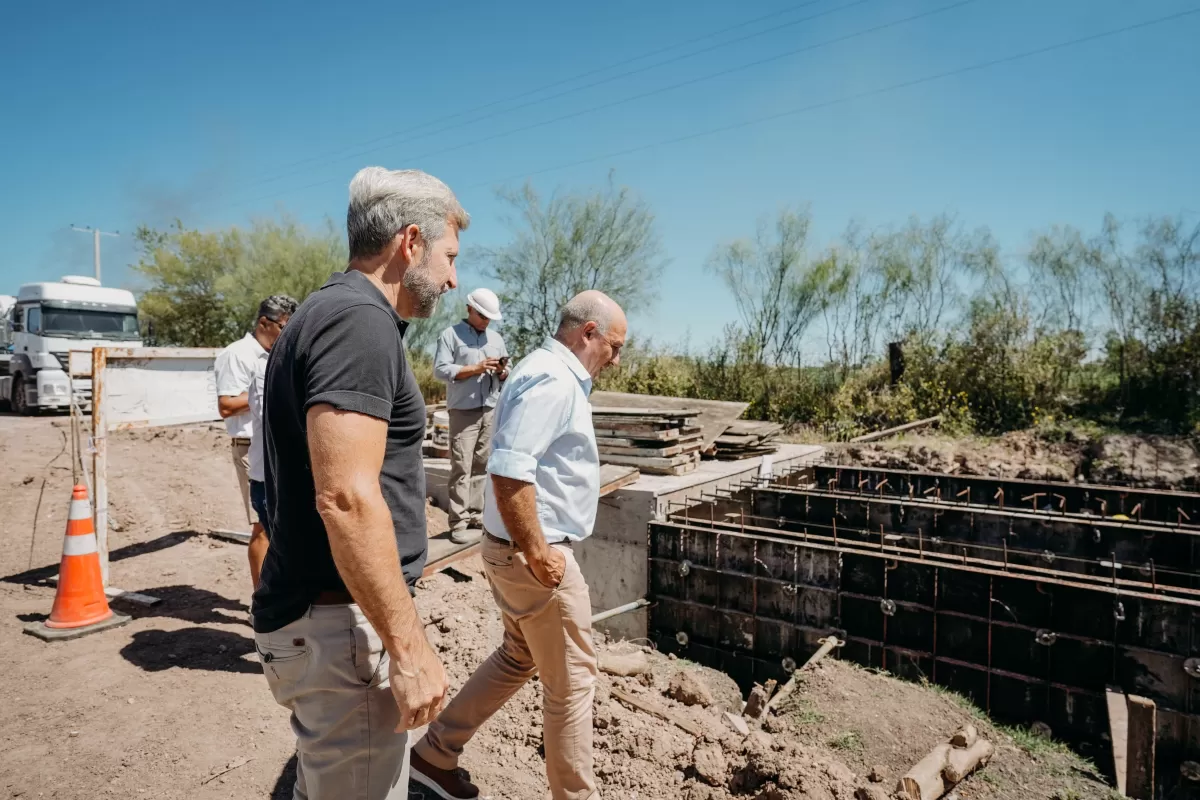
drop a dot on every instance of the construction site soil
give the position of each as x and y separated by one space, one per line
173 704
1161 462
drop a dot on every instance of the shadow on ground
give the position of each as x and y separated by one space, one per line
187 603
191 648
40 574
286 781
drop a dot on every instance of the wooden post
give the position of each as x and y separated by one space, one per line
1142 734
1118 730
100 458
896 361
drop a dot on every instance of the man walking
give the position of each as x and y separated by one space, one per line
235 369
340 640
543 485
472 360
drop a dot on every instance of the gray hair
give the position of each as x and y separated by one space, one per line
276 307
384 202
583 308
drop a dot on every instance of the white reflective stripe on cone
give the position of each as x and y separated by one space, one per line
80 509
79 545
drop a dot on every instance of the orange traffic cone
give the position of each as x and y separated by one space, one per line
79 604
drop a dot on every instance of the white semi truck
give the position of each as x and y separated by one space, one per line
48 320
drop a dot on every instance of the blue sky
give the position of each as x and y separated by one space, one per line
116 114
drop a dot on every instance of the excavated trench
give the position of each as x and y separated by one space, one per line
1030 598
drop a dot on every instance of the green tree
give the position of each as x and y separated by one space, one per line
205 287
190 274
777 288
604 240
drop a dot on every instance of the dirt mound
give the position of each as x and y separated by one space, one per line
1142 460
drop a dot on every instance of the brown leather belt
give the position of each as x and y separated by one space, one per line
333 597
498 540
513 545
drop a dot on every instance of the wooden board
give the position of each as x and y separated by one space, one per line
911 426
715 415
646 462
616 476
635 423
738 455
1118 729
443 552
619 411
649 452
630 441
653 452
649 434
1143 729
754 428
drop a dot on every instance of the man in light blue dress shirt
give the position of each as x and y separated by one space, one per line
542 489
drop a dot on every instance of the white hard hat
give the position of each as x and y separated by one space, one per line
486 303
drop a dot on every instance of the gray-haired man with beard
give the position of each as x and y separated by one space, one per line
339 637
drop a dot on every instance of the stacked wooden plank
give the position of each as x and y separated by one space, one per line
658 441
747 439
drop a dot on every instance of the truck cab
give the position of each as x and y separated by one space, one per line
46 322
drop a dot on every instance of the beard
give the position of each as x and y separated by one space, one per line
422 288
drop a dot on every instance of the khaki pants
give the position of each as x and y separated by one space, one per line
241 465
330 670
547 631
470 446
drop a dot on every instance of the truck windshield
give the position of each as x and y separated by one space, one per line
82 323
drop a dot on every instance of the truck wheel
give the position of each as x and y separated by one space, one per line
18 401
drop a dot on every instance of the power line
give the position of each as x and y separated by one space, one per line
644 95
547 87
853 97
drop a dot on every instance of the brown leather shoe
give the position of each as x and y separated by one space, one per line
448 784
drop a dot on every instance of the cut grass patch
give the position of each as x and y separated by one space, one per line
1037 745
848 741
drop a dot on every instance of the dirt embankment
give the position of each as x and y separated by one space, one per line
1149 461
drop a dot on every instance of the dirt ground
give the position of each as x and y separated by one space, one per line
162 706
1164 462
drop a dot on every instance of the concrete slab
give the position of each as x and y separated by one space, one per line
46 634
240 537
437 482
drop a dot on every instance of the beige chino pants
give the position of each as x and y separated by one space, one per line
548 631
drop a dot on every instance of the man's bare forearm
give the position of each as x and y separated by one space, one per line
232 405
517 503
363 544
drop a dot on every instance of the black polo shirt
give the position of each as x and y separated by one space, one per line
344 346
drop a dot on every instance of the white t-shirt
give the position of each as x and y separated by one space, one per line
256 439
235 369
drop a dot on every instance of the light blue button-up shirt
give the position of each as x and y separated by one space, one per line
461 345
543 435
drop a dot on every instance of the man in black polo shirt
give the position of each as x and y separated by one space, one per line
340 640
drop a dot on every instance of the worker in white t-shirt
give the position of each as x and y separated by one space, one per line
236 367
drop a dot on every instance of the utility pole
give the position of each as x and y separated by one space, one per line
96 234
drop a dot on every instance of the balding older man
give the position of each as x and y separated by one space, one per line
542 488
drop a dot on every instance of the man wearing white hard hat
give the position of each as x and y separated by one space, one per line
473 361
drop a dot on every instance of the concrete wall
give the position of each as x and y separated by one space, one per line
615 559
